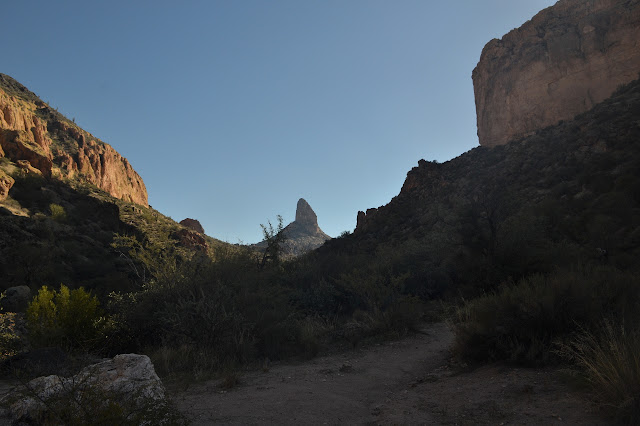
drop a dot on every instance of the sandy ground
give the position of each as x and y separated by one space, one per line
404 382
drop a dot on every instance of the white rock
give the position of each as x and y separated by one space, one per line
128 378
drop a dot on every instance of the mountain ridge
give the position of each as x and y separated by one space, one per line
32 134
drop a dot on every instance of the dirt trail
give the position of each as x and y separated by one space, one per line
403 382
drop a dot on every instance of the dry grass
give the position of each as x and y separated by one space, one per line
610 362
185 362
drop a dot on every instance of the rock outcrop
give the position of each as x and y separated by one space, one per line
426 171
191 240
303 234
305 216
6 182
32 131
192 224
561 63
127 379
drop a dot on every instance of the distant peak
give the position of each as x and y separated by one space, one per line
305 214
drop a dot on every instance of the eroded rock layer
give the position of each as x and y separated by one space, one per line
561 63
30 131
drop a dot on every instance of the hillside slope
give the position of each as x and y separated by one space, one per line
72 209
34 134
569 194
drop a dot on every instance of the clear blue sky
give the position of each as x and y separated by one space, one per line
232 110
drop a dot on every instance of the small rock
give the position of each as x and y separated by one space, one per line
346 368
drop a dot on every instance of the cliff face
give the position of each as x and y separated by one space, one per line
31 131
568 58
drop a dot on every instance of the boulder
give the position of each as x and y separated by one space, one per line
126 380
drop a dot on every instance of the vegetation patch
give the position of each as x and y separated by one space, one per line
609 359
523 321
67 318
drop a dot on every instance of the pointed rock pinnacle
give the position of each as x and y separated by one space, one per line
305 214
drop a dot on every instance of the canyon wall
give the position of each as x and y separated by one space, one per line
561 63
30 131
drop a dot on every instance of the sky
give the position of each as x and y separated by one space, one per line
233 110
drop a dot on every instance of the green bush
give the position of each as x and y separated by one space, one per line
70 318
11 341
521 322
57 212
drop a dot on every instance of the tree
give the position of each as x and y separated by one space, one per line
274 238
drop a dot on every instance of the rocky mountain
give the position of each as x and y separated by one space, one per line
569 194
36 137
565 60
73 210
303 234
555 195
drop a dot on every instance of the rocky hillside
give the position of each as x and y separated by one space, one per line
36 137
569 194
562 62
73 210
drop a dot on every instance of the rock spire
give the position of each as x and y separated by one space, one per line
305 214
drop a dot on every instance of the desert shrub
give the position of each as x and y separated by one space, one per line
177 362
609 359
192 325
11 341
521 322
149 261
405 314
71 318
57 212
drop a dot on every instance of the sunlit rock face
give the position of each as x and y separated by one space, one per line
192 224
561 63
32 131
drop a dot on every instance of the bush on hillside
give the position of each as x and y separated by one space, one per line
609 359
68 318
520 322
57 212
